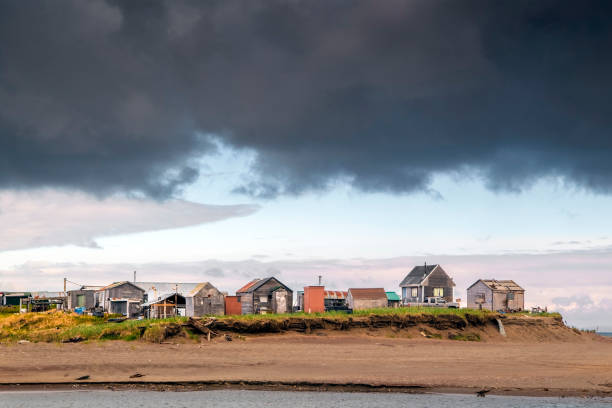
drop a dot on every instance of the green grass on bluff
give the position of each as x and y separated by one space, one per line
61 326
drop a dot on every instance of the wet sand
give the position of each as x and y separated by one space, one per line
319 362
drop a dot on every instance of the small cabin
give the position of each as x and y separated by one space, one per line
366 298
262 296
124 298
492 294
205 299
83 298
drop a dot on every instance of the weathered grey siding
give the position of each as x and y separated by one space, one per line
438 279
206 301
246 302
474 291
125 291
265 300
494 299
500 301
360 304
282 301
72 301
132 294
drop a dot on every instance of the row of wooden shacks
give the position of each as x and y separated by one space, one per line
424 285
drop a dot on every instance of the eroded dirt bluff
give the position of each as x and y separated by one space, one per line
471 327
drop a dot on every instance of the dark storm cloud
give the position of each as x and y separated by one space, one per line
116 96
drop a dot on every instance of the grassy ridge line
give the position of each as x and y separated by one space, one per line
59 326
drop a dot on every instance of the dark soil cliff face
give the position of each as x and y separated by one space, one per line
443 326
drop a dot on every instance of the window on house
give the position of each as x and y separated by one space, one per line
438 292
510 296
263 299
414 292
480 297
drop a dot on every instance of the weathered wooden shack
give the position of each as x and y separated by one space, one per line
123 298
85 297
203 300
366 298
267 295
427 281
492 294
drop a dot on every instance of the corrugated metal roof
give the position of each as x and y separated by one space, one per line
256 284
156 289
247 286
393 296
335 294
367 293
162 298
503 285
90 287
417 275
113 285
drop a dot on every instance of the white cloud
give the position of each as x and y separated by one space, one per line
38 218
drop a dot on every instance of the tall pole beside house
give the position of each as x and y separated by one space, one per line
175 299
65 279
134 276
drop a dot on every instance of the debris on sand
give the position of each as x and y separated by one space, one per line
137 375
84 377
75 339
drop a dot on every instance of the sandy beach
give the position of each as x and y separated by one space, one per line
321 361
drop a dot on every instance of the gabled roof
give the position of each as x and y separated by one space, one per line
199 287
334 294
368 293
393 296
418 274
246 287
257 283
500 285
156 289
116 284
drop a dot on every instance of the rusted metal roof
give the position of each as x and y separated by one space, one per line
503 285
247 286
335 294
368 293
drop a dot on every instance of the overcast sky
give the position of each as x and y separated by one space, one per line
226 140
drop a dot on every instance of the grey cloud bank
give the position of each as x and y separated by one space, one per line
118 96
53 218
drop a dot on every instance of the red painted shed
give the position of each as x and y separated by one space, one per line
232 305
314 299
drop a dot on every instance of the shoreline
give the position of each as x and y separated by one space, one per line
300 386
531 362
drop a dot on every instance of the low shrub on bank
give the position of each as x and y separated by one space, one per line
7 310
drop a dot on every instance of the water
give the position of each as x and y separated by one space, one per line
606 334
276 399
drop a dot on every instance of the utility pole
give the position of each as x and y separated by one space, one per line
65 279
175 299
